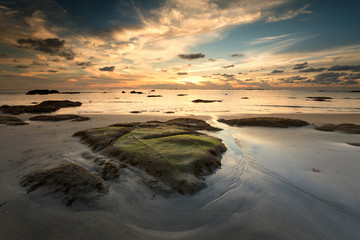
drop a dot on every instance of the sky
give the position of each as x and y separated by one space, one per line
183 44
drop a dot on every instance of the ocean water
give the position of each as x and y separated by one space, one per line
232 101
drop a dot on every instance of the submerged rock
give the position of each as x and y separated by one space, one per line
205 101
181 95
61 117
11 121
42 92
344 127
43 107
74 182
354 144
266 122
320 99
170 151
154 95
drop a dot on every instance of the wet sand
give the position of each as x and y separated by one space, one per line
265 189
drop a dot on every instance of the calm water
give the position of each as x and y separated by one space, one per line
258 101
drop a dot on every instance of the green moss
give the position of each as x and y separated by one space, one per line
175 154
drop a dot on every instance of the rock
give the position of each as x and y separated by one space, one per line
344 127
57 118
70 92
152 90
265 122
205 101
135 92
169 112
123 92
41 92
154 95
73 181
181 95
109 169
135 112
315 170
43 107
175 154
244 98
11 121
320 99
354 144
192 123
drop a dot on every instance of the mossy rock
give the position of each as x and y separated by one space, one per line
265 122
177 155
11 121
73 181
60 117
344 127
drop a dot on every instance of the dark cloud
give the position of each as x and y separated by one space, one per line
39 63
107 69
350 82
53 46
84 65
327 78
313 69
228 66
300 66
355 68
182 73
294 79
4 55
353 76
55 60
21 66
52 71
237 55
191 56
212 60
228 75
277 71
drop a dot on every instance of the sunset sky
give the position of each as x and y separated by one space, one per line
210 44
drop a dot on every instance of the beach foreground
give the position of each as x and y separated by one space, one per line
292 183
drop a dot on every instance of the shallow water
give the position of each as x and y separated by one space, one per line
259 101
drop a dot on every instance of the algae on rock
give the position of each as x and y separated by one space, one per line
171 151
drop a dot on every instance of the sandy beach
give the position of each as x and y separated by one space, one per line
266 188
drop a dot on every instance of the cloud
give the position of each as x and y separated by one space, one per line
21 66
353 76
237 55
349 82
191 56
53 46
107 69
313 69
84 65
211 60
182 73
268 39
4 55
355 68
52 71
327 78
294 79
228 66
290 14
300 66
277 71
39 63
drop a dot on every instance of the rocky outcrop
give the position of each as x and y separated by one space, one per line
205 101
72 181
320 99
43 107
61 117
344 127
11 121
41 92
172 152
265 122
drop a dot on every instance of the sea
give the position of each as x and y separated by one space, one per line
180 102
